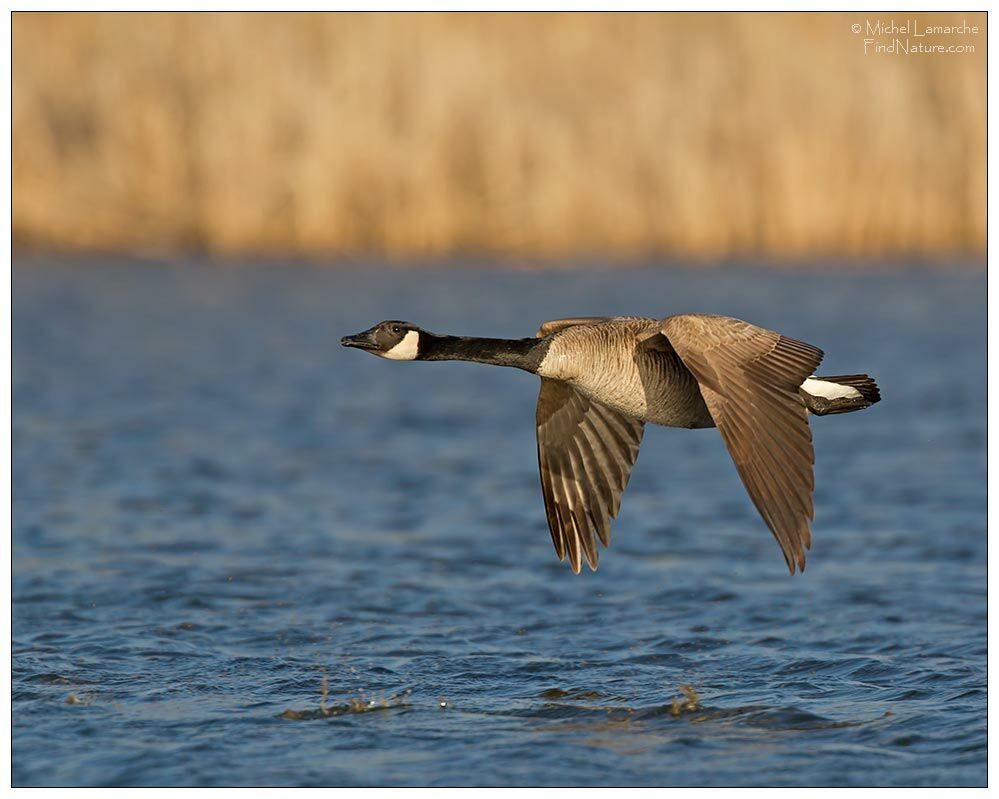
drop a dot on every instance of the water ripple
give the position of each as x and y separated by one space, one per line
218 512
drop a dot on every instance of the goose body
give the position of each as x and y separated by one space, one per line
604 378
625 364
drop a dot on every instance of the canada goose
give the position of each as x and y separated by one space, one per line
603 378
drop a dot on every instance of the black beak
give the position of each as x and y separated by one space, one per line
363 341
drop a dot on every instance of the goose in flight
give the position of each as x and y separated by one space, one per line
604 378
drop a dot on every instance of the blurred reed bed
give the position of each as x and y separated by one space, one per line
524 135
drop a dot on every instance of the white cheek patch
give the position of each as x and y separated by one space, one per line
826 390
406 349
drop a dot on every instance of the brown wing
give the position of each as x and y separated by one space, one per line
585 452
749 378
555 325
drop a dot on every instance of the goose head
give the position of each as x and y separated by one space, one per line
395 340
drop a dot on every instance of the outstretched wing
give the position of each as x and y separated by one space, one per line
749 378
585 452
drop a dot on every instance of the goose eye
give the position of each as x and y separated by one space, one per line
396 329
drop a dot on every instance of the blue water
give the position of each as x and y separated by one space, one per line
217 508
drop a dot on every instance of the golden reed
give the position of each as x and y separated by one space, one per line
537 135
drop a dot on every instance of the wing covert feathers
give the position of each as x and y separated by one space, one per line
555 325
749 378
585 454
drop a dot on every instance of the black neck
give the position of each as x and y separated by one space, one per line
520 353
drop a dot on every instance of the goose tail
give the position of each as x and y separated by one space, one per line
839 394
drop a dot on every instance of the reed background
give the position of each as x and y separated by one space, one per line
693 135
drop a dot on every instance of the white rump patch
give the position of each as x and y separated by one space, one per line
829 391
406 349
